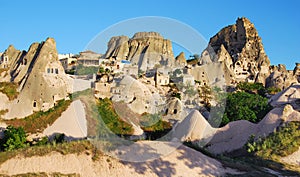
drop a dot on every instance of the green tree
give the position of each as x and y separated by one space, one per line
256 88
14 138
195 57
101 70
245 106
177 72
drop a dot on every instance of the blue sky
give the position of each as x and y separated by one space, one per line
74 23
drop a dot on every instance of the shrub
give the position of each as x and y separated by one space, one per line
43 141
177 95
111 118
59 138
273 90
14 138
9 89
38 121
245 106
256 88
282 142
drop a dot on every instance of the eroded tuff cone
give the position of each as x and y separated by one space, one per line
41 78
245 53
10 56
180 59
145 49
282 78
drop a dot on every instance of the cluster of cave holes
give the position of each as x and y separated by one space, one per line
174 111
52 70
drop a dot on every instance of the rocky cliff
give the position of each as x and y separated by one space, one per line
40 77
241 49
145 49
282 78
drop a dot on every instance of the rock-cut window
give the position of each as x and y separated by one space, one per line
34 104
56 71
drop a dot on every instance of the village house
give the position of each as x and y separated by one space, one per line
89 58
68 62
4 61
162 77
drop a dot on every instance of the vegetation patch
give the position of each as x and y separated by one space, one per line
283 142
248 164
14 138
86 70
74 147
245 106
39 121
9 89
111 118
154 126
2 112
256 88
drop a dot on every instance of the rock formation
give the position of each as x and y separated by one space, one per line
40 76
282 78
145 49
241 49
291 95
136 95
180 59
195 128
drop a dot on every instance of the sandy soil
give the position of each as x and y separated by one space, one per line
293 159
181 162
72 122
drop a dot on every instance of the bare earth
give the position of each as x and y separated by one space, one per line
181 162
72 122
293 159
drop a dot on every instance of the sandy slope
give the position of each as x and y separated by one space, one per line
72 122
234 135
181 162
293 159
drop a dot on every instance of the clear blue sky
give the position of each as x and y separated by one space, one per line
74 23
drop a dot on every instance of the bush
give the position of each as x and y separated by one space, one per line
9 89
256 88
43 141
177 95
59 138
273 90
14 138
111 118
245 106
282 142
39 121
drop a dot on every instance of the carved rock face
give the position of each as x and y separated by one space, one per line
241 49
41 78
145 49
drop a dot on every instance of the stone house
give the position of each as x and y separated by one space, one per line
67 63
162 77
89 58
4 61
